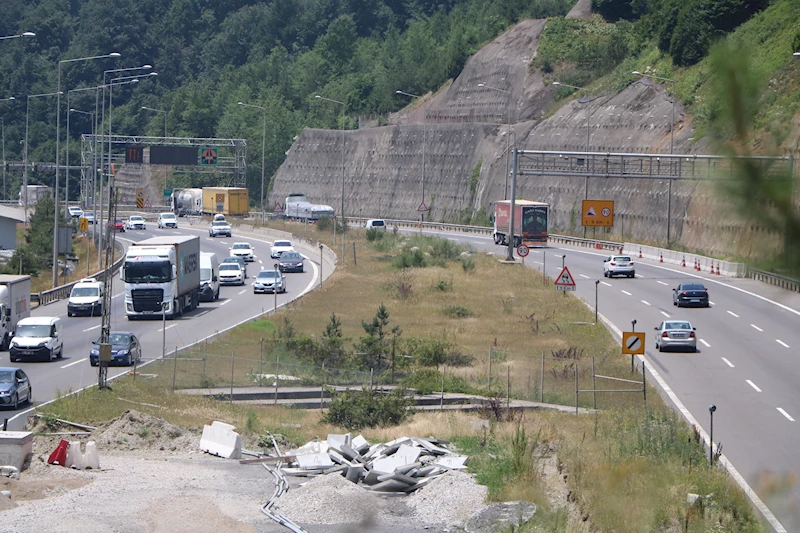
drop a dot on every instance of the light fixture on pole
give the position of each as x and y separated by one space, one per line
263 149
424 143
25 156
58 153
508 133
26 34
344 223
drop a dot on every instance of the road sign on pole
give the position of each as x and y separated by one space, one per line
565 281
139 198
522 250
422 207
633 343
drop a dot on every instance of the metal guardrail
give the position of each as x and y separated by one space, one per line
63 291
769 278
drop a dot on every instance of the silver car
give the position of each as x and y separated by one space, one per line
269 281
618 265
676 335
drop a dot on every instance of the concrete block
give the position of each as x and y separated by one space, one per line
221 440
371 478
91 459
74 455
15 447
335 441
360 445
453 462
390 485
315 461
354 473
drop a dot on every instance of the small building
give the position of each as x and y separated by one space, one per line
9 218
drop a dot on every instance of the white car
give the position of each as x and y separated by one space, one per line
167 220
278 247
243 250
135 222
231 274
618 265
75 211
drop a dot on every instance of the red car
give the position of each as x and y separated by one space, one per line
119 225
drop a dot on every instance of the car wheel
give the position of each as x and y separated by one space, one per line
15 403
30 396
130 360
660 348
92 363
60 352
69 313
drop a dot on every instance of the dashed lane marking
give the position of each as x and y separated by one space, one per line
782 343
705 343
784 413
756 327
75 362
753 385
727 362
733 314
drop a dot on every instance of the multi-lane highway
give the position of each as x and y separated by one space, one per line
746 363
235 305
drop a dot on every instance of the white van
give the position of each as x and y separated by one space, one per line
209 277
37 337
86 298
376 223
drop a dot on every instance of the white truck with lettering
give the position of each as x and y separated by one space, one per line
15 298
162 269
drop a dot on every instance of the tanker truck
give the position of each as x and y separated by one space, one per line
187 202
297 206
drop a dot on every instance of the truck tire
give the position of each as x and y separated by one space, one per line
497 238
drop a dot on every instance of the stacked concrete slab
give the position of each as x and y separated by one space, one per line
402 465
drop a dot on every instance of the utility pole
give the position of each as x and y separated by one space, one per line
108 280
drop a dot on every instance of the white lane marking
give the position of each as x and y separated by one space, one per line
782 343
626 292
711 303
91 328
168 327
209 238
260 262
606 284
753 385
661 282
538 262
242 291
645 302
756 327
665 314
733 314
581 275
727 362
223 303
202 313
705 343
784 413
75 362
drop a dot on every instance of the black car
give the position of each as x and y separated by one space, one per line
690 294
290 262
125 349
15 387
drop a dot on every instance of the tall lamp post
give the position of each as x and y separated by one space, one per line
25 156
342 205
92 123
58 153
263 149
671 145
424 143
70 110
153 109
711 409
26 34
508 133
275 289
3 124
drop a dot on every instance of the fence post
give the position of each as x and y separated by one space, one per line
508 386
174 367
277 368
644 387
441 398
541 384
594 387
576 387
205 353
261 362
489 379
354 254
371 375
322 389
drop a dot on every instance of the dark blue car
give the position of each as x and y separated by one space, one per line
125 349
15 387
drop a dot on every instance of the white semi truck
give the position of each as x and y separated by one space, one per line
297 206
162 269
15 298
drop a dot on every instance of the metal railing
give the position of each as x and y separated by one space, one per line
63 291
769 278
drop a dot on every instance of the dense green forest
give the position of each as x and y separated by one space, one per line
278 54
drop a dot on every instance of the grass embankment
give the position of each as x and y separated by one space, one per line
626 468
80 244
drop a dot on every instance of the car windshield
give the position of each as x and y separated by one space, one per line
232 259
6 376
282 243
85 291
136 219
692 287
219 223
241 246
290 256
267 274
229 266
377 223
167 215
33 330
205 274
147 272
677 325
117 338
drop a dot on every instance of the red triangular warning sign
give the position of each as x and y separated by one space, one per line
278 208
565 279
422 207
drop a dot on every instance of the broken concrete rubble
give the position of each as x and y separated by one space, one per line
400 466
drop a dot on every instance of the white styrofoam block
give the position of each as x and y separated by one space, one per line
316 461
405 455
335 441
359 443
74 455
453 462
221 440
90 457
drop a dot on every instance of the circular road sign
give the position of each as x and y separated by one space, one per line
522 250
606 212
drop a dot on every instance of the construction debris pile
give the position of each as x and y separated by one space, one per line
433 477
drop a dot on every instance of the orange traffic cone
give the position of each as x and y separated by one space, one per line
711 267
717 272
620 250
640 253
59 455
695 264
683 261
661 258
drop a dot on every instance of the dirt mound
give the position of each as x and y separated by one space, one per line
139 431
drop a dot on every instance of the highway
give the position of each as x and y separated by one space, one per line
236 304
746 363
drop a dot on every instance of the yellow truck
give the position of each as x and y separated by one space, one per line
232 201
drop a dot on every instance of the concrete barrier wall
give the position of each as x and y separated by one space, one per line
675 258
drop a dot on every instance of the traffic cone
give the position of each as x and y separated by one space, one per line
683 261
695 264
59 455
661 258
620 250
717 272
711 267
640 253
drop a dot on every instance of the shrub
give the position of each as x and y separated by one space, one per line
374 234
324 224
467 265
410 259
443 285
457 311
367 408
428 380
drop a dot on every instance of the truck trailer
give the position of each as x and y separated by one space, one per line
162 269
187 202
298 207
232 201
530 222
15 298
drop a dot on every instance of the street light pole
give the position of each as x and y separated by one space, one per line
165 135
58 153
3 123
424 144
25 157
508 132
342 206
711 409
275 289
26 34
263 150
